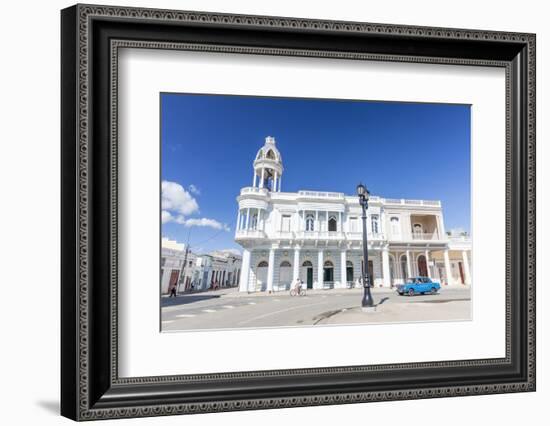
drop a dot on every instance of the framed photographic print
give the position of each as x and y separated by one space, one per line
264 212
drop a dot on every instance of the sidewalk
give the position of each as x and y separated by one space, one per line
234 291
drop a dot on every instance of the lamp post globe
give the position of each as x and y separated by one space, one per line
363 194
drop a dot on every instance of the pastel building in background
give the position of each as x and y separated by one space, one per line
317 236
188 271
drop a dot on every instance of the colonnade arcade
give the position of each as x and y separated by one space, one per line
275 269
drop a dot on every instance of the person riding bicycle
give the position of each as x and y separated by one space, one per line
298 285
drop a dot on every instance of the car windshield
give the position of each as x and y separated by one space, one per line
413 280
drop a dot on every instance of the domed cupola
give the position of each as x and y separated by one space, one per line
268 166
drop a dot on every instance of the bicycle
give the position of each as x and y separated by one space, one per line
299 292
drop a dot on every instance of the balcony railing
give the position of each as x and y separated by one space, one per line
253 190
358 235
320 194
431 203
425 236
249 233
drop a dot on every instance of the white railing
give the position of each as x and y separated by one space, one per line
320 194
459 238
403 201
253 190
249 233
359 235
287 235
425 236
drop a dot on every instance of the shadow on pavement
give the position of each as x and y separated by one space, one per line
382 300
184 300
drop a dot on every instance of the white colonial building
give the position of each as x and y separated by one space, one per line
317 236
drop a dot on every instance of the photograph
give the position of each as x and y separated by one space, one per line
271 207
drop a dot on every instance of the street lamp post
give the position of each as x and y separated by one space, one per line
363 194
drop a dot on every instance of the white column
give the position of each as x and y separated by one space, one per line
320 269
261 219
274 186
466 264
326 219
317 226
343 268
254 180
409 273
296 271
447 266
427 255
239 219
262 179
245 271
340 223
270 270
386 267
247 218
280 180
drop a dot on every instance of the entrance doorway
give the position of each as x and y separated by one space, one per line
422 266
349 271
309 273
261 276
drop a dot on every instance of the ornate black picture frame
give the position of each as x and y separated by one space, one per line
91 36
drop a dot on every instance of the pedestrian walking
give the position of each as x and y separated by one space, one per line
173 291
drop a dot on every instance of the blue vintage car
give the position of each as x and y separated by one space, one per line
418 285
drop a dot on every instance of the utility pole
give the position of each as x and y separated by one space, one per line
182 272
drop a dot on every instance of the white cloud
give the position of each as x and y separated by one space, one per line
203 221
233 251
166 216
194 189
177 203
176 198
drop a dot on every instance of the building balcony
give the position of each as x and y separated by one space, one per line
249 234
284 235
358 236
249 190
322 195
405 202
425 236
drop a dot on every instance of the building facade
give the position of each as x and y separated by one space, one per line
201 271
172 270
317 236
216 270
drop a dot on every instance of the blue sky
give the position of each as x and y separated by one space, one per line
399 150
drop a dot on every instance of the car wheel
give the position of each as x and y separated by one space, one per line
433 290
411 292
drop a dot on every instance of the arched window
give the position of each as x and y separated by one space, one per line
417 229
285 275
395 229
307 264
270 154
309 222
262 264
332 224
329 264
374 223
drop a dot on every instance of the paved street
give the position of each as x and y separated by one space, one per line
227 308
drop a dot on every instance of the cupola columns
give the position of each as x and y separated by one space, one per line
268 167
